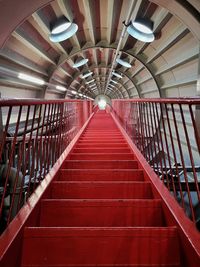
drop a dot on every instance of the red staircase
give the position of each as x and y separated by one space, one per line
102 211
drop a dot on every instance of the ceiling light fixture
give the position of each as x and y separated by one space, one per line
91 81
80 62
73 92
116 74
29 78
113 81
62 30
92 85
142 29
123 62
61 88
102 104
83 76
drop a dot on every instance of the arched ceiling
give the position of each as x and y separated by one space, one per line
164 68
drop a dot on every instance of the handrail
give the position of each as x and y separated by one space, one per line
47 128
180 100
166 132
32 101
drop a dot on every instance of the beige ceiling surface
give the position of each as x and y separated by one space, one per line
167 67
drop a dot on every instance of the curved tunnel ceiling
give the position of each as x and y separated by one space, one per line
167 67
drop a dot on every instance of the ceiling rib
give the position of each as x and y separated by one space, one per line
25 39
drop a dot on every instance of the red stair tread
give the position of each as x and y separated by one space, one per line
102 156
100 175
104 164
101 150
100 246
101 213
101 190
102 137
106 145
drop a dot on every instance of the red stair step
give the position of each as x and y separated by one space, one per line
101 150
101 213
101 190
100 175
106 145
101 247
94 135
104 134
103 142
98 156
98 164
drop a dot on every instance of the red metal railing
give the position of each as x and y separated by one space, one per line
166 131
33 135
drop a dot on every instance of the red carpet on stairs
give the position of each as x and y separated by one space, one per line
102 211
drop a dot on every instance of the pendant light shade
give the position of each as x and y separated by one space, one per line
73 92
113 81
93 85
116 74
142 29
62 30
80 62
91 81
61 88
123 62
87 74
61 25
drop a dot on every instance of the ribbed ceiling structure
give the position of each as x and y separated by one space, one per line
167 67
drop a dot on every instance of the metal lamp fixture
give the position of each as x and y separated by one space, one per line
142 29
87 74
61 88
91 81
80 62
123 62
73 92
93 85
116 74
114 81
62 30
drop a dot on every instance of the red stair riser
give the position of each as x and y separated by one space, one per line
76 156
101 145
103 140
101 213
104 133
98 164
101 190
100 175
101 150
102 136
65 246
111 140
